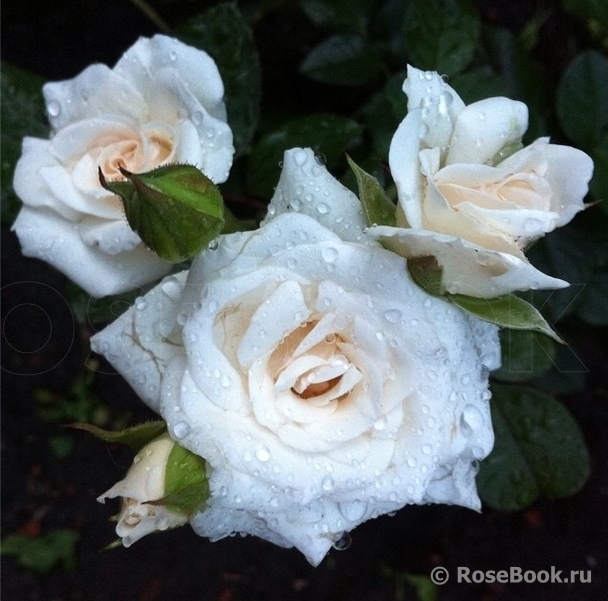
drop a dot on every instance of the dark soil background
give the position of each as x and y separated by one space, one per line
44 355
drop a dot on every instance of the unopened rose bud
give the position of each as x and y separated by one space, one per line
175 209
163 487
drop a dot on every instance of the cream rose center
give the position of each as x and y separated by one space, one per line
314 369
134 151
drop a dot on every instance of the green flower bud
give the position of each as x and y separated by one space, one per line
175 209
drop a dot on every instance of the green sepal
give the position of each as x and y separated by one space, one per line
186 485
175 209
508 311
427 273
378 208
135 437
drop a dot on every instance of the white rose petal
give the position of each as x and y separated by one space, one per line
466 194
306 187
161 104
321 385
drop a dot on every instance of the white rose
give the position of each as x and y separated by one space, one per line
144 482
463 202
321 385
162 103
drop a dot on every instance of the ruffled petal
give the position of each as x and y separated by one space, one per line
46 236
467 268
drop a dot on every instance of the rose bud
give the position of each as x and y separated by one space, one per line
163 487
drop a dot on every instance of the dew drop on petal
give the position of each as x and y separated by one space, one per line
181 430
472 417
300 157
352 510
381 424
53 108
327 484
392 315
343 542
323 208
262 454
171 288
329 254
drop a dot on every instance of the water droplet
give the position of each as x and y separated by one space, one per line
381 424
197 118
392 315
352 510
181 430
472 418
53 108
323 208
343 542
300 157
171 287
427 449
330 254
172 55
262 454
141 304
327 484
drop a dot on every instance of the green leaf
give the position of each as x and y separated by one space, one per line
346 15
525 355
507 311
427 273
539 450
135 437
378 209
186 486
224 34
582 99
347 60
599 181
175 209
43 553
22 114
577 253
330 136
441 35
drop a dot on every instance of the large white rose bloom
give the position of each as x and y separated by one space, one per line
162 103
471 196
323 387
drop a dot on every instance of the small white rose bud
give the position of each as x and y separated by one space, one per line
162 470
